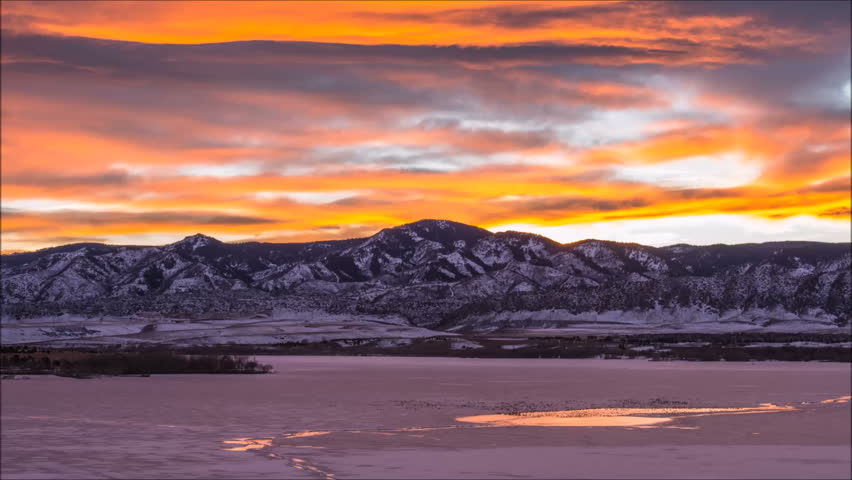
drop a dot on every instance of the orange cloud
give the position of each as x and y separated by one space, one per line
708 37
490 113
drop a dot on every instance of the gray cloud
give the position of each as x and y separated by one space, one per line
836 212
514 16
835 185
561 204
80 217
815 15
186 79
809 15
705 193
110 178
64 240
204 62
360 201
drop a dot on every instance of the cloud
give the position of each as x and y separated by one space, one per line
317 198
811 162
204 61
509 16
721 171
649 24
697 230
834 185
150 122
67 240
109 178
811 15
105 218
320 232
220 171
560 206
839 212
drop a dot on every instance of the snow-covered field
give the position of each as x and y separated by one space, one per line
382 417
799 344
661 320
284 327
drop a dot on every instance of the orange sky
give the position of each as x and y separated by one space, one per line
143 122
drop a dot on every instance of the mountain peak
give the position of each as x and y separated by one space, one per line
199 236
438 224
196 241
433 222
442 230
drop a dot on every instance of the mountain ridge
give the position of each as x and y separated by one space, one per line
243 242
438 272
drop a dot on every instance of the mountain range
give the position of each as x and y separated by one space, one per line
443 275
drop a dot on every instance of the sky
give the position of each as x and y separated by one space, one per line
649 122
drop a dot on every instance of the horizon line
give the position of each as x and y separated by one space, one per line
241 242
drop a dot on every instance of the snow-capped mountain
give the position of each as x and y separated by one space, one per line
442 274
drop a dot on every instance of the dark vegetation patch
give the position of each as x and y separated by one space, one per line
88 363
234 358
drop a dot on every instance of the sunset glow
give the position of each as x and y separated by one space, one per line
657 123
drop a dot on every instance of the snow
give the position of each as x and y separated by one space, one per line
393 342
650 262
446 272
637 277
459 262
685 319
463 344
306 328
799 345
643 348
44 331
589 275
522 287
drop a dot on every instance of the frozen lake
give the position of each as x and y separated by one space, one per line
386 417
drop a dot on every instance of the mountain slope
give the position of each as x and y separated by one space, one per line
444 274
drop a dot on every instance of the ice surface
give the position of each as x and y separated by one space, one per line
371 417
